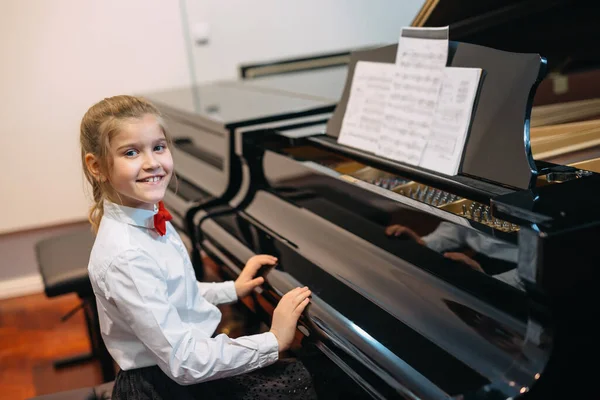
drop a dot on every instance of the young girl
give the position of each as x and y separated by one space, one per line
157 321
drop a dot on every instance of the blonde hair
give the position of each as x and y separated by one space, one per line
99 125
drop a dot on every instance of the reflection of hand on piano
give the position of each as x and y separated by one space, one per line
456 256
401 230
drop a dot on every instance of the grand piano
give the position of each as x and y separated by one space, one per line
428 286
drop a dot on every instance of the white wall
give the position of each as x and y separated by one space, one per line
61 56
243 31
58 58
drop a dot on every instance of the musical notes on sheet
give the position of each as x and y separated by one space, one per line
423 48
417 110
366 105
451 120
411 103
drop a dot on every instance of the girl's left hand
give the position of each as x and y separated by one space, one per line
246 282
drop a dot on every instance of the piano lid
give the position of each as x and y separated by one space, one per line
232 104
563 31
324 84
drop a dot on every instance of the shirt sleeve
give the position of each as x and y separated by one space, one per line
218 292
184 351
447 236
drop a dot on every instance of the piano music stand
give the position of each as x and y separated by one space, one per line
497 149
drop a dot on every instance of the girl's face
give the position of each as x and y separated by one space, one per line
142 163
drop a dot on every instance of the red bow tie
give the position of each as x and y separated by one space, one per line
161 218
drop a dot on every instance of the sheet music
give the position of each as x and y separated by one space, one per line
416 111
408 114
451 120
421 58
364 116
424 47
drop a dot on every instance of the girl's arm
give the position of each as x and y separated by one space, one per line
184 351
230 291
218 292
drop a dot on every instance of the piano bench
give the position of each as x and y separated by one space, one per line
101 392
63 262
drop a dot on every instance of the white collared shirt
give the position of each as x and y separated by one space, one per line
153 311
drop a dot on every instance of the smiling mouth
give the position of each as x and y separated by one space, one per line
151 179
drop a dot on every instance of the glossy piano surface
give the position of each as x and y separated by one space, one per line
325 83
419 285
422 273
232 103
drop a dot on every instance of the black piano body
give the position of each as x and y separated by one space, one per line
407 310
203 119
426 286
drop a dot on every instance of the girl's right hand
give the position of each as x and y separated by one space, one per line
286 314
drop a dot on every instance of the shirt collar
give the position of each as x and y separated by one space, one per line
130 215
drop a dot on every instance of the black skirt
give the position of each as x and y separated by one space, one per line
286 379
